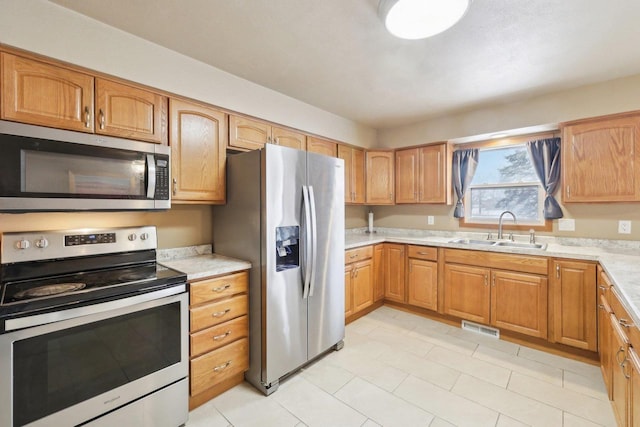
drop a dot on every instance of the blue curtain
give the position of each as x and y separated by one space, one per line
545 157
465 163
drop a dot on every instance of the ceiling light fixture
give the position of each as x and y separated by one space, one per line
419 19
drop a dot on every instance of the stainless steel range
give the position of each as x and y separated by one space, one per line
92 330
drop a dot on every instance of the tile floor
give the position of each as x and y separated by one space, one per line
398 369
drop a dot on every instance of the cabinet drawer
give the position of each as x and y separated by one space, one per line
358 254
219 335
624 319
423 252
218 365
212 289
218 312
520 263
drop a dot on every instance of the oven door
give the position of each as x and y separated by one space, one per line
48 169
75 370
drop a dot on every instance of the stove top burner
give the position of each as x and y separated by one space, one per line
48 290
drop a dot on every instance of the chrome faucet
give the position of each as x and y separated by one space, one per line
500 222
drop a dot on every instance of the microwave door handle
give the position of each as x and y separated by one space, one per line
151 174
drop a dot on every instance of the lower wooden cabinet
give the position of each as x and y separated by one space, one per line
358 280
619 371
510 300
422 278
393 261
218 343
378 272
573 298
467 292
634 388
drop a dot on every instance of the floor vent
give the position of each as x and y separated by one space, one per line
480 329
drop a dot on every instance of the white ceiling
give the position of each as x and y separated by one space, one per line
336 54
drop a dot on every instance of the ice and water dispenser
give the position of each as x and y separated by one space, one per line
287 247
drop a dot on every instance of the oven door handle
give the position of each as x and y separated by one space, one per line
73 313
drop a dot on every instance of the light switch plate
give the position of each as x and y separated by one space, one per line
624 227
430 220
566 224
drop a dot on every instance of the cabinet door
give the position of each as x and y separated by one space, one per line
394 272
598 160
348 291
574 304
42 94
432 181
358 176
362 285
378 272
197 153
322 146
380 177
247 134
423 283
619 373
130 112
345 153
467 292
634 388
519 303
288 138
407 176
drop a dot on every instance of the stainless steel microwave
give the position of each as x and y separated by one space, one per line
44 169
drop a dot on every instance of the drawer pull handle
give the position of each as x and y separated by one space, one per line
223 366
221 288
353 256
604 288
423 253
625 323
221 336
221 313
617 357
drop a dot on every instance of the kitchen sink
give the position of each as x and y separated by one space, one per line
474 242
522 245
502 243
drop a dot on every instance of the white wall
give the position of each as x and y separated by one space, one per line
48 29
610 97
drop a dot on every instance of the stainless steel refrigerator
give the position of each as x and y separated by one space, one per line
285 214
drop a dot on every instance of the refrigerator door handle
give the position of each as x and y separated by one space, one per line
306 271
314 239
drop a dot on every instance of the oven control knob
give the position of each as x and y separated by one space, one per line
22 244
144 236
132 237
42 243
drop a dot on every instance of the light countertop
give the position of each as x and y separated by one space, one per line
620 259
198 262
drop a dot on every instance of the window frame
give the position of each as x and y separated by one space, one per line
547 224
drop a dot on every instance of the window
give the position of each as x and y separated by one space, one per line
504 180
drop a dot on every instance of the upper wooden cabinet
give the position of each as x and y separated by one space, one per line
248 134
354 173
573 298
423 175
599 159
38 93
130 112
43 94
198 144
322 146
380 177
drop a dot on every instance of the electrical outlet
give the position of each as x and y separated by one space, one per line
430 220
624 227
566 224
